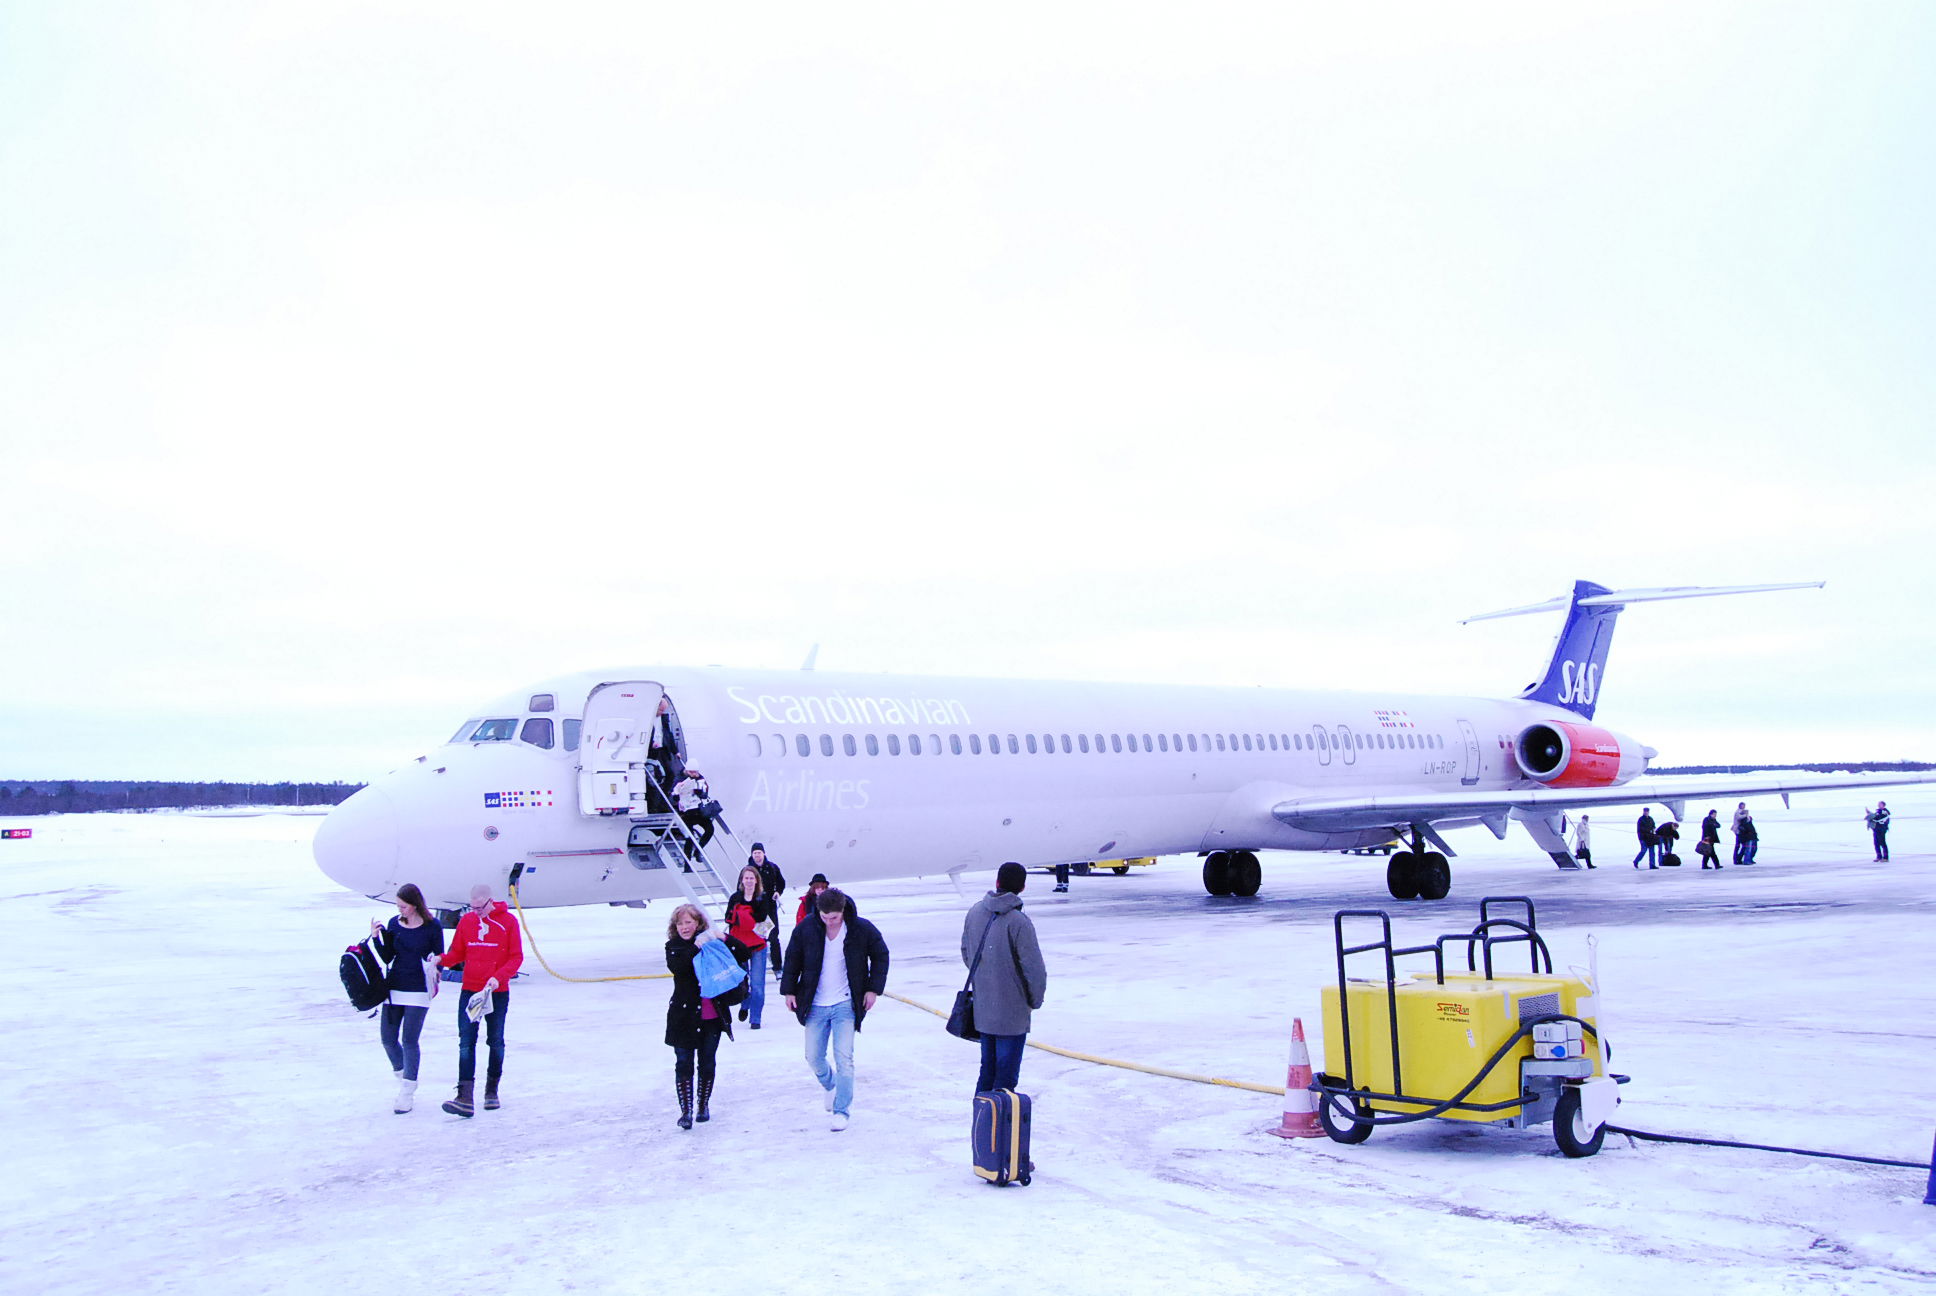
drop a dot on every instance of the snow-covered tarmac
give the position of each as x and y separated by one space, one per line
195 1108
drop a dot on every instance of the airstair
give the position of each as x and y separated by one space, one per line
663 841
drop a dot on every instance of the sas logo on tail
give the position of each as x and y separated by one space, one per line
1579 683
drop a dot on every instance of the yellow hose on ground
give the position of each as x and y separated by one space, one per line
643 976
915 1003
1117 1062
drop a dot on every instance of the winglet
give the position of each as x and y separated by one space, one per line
812 653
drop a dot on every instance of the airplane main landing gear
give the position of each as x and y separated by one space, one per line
1232 873
1423 875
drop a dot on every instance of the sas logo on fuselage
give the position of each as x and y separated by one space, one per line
1579 683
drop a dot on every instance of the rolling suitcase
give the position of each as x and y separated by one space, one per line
1001 1137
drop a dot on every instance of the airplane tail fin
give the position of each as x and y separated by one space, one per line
1578 662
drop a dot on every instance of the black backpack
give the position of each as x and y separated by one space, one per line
364 975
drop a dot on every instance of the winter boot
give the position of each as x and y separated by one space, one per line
490 1093
685 1103
705 1099
406 1097
461 1104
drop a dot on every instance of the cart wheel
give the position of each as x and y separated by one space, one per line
1569 1126
1434 876
1121 870
1400 880
1335 1124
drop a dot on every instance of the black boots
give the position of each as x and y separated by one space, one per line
705 1099
685 1103
461 1104
490 1093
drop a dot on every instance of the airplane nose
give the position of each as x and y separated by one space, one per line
356 844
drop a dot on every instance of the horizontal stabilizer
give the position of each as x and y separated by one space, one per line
1620 598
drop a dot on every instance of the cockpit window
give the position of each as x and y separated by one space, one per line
495 731
543 702
537 732
463 731
571 734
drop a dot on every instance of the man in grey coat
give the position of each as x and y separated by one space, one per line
1008 978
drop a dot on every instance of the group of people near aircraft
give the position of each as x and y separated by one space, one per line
832 972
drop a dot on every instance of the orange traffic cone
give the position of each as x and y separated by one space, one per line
1300 1103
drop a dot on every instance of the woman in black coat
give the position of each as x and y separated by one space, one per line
693 1023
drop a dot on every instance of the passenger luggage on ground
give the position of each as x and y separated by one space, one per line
1001 1137
1670 860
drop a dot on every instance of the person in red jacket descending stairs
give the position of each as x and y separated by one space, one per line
491 948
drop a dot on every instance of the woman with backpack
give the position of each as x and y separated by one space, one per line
753 921
693 1023
412 941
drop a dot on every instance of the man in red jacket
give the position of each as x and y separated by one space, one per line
490 947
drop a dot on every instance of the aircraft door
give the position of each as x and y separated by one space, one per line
1350 748
1471 736
612 750
1322 741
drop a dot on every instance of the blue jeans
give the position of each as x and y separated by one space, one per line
1652 851
399 1029
833 1023
756 983
493 1036
1001 1062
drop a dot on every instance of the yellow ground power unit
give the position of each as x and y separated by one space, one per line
1479 1044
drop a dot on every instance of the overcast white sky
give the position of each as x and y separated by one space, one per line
359 362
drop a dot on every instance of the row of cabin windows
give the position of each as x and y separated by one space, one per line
777 745
536 731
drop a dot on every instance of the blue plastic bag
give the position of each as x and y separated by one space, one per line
718 970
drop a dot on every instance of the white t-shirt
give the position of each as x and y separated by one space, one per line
832 988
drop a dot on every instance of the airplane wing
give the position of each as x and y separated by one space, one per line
1453 809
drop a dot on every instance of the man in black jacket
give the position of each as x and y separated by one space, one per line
836 966
1649 839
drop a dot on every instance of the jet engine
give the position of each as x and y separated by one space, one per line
1565 755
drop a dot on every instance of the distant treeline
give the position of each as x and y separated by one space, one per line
1820 767
79 796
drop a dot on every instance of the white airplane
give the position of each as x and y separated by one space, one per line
556 788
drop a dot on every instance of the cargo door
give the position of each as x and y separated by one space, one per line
613 749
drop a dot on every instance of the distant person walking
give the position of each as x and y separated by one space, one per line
836 966
1747 840
1878 821
1649 839
1583 842
1734 826
1710 848
998 945
693 1023
751 920
412 942
490 948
